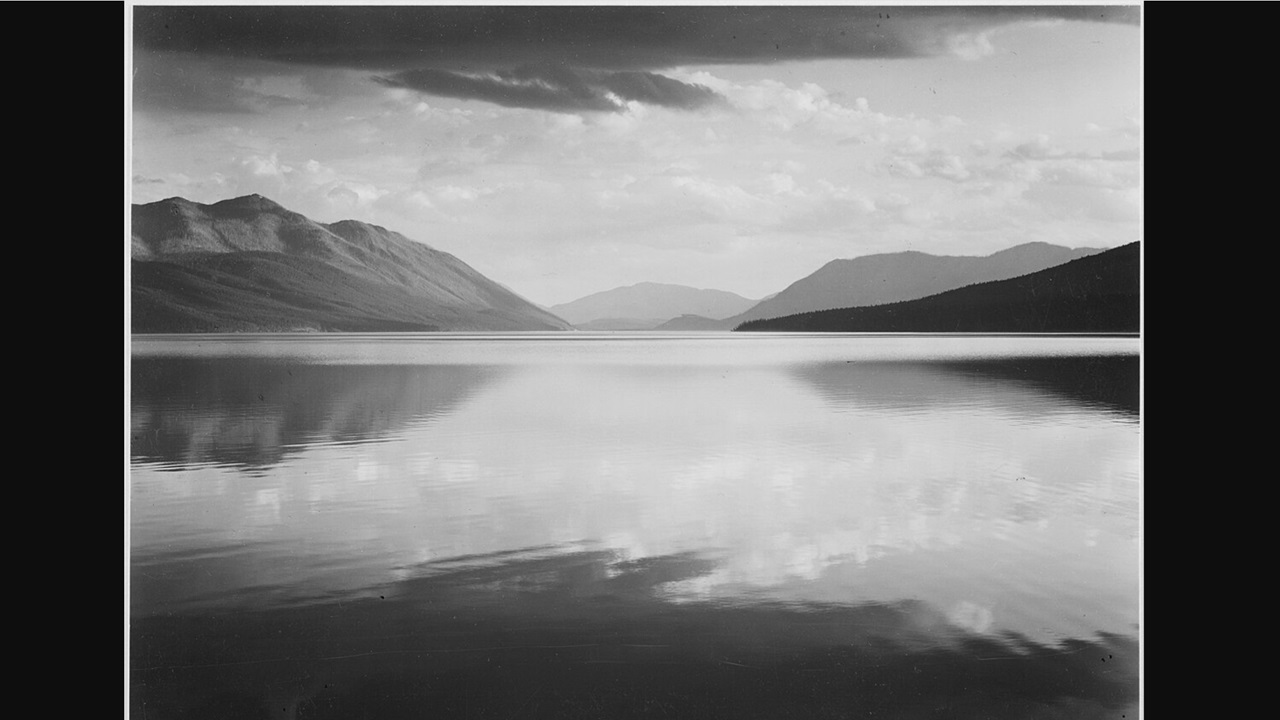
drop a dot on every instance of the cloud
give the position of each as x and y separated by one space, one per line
1103 186
343 196
188 84
913 158
185 82
602 37
575 57
1042 149
655 89
557 87
1037 149
786 108
506 89
946 166
1077 201
266 166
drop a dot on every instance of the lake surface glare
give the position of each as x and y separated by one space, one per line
634 526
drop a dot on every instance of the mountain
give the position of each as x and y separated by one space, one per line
894 277
620 324
646 305
249 264
692 323
1098 293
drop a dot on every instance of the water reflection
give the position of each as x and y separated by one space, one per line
1102 382
570 530
1024 386
582 634
253 412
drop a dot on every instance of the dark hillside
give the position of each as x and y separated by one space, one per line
898 277
1098 293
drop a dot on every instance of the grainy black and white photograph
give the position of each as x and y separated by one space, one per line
617 361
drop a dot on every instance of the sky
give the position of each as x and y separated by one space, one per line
563 150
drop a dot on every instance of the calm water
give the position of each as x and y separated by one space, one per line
600 526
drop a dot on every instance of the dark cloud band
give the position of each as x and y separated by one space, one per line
399 38
550 87
569 57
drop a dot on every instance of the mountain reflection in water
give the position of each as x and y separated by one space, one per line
252 413
1026 384
665 528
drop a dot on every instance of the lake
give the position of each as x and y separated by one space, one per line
634 525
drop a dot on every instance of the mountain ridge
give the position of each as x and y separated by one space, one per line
1098 293
644 305
907 275
249 263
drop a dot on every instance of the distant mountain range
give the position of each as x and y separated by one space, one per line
689 323
646 305
894 277
1097 293
249 264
